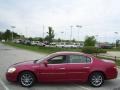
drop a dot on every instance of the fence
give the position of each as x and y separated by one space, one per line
114 58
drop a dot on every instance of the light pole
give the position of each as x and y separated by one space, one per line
96 36
78 26
62 36
12 31
43 31
97 42
116 39
71 33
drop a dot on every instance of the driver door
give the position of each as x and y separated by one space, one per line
55 69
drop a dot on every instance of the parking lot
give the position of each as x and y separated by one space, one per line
10 55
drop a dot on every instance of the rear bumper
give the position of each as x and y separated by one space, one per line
112 74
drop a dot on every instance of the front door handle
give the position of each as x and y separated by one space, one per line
62 68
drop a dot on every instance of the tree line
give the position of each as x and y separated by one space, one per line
8 35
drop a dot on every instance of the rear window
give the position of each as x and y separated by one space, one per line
79 59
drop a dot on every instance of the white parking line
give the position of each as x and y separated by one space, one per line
85 88
6 88
118 77
82 87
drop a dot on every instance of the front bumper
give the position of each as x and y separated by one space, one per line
11 76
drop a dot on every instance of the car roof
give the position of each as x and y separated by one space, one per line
68 52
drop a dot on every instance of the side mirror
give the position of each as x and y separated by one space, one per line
45 63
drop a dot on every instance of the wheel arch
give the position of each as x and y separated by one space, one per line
98 71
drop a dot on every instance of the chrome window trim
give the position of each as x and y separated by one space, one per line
74 63
91 59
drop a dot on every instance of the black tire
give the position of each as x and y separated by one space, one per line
96 79
26 79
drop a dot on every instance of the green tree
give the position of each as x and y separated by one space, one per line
67 40
30 38
15 35
90 41
7 35
1 35
50 35
41 39
59 40
73 40
117 43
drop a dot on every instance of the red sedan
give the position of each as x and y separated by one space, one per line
63 67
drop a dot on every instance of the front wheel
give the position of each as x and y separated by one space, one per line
96 79
26 79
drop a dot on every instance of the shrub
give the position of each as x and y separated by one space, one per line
101 51
91 50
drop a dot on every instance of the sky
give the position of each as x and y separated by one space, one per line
100 18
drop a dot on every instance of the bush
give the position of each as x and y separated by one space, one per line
101 51
91 50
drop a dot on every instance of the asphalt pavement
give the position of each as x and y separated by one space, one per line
10 55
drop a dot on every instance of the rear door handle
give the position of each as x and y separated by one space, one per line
86 67
62 68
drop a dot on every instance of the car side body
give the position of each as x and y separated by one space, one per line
70 70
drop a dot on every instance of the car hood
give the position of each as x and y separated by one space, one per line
24 63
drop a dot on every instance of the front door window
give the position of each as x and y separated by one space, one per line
57 60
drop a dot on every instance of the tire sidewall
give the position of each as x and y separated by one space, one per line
26 72
96 73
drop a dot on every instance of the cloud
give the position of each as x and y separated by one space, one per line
98 17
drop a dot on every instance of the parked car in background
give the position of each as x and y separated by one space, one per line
34 42
50 45
106 46
27 42
17 41
60 45
53 43
63 67
41 44
69 45
79 45
2 40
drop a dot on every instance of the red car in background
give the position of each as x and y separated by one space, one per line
63 67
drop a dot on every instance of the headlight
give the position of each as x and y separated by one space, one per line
11 69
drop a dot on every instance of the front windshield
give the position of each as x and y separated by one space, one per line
43 58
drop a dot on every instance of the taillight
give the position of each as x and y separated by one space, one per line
115 67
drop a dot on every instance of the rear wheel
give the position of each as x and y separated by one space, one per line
26 79
96 79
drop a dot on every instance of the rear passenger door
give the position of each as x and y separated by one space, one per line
78 67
